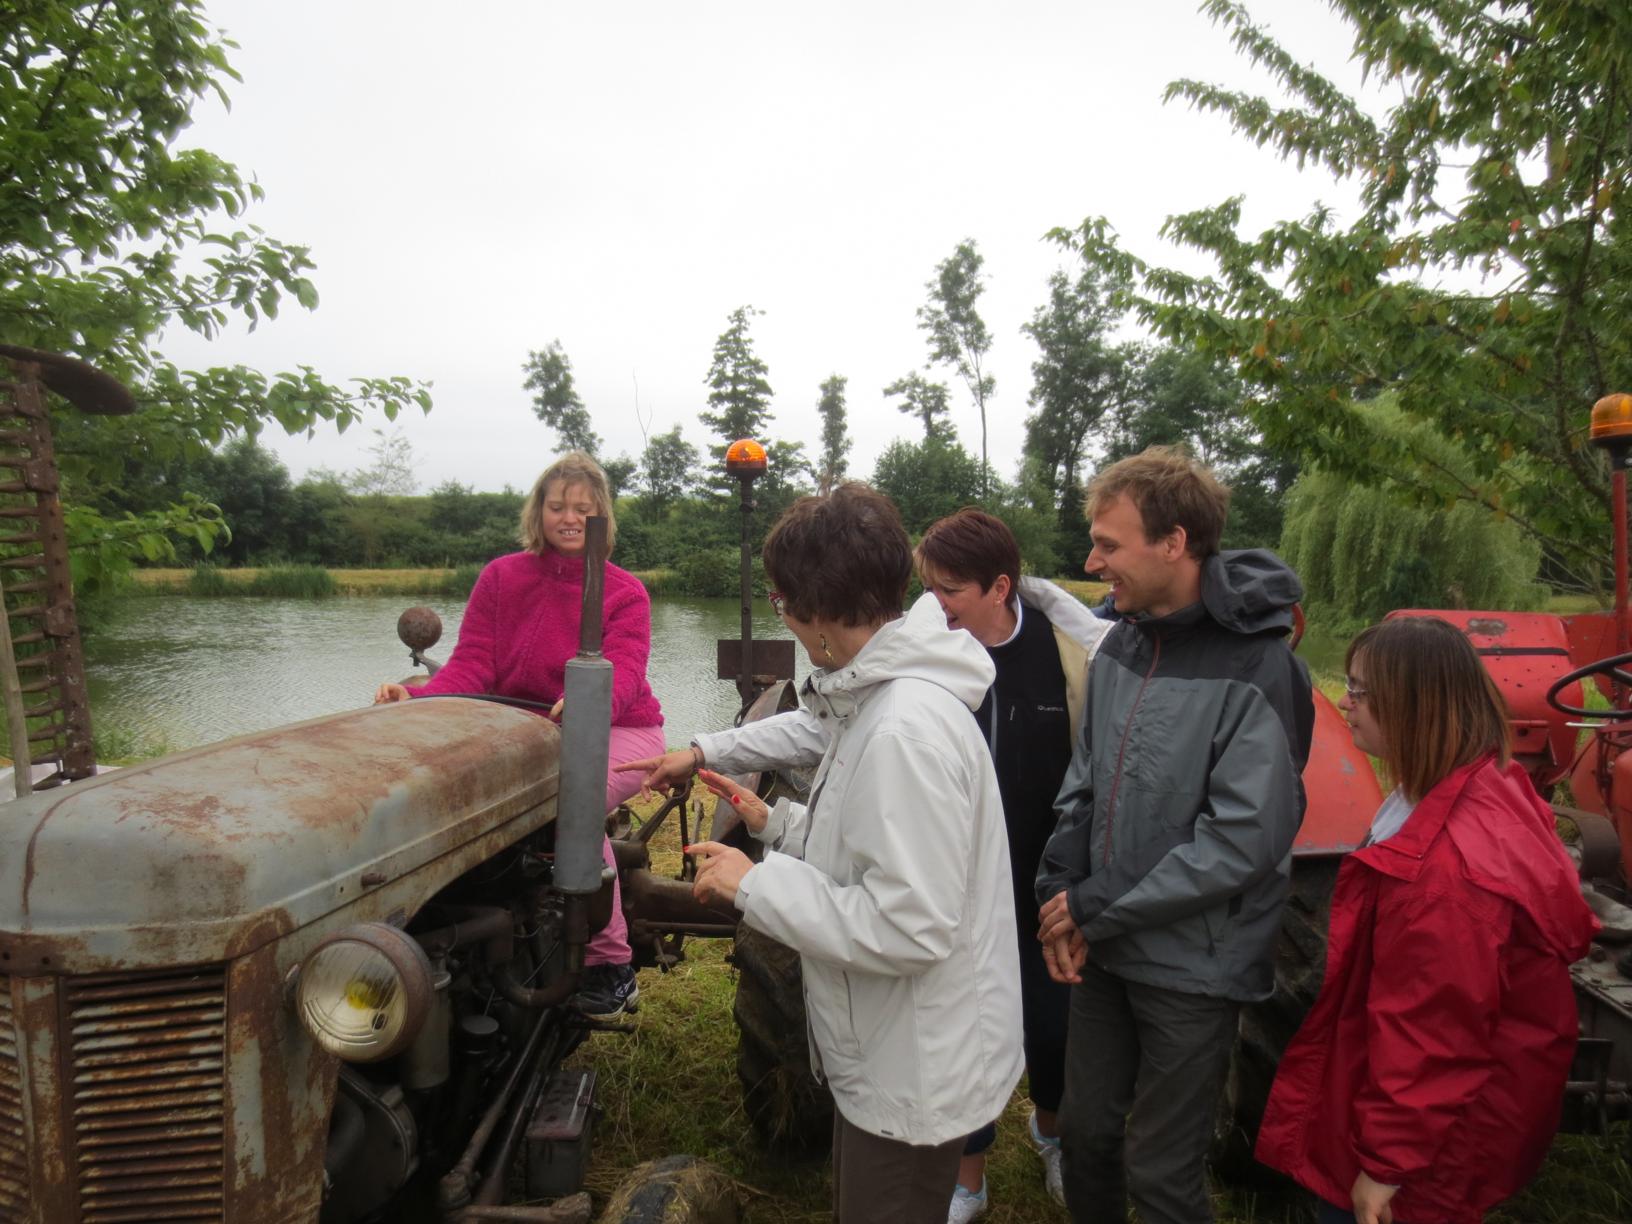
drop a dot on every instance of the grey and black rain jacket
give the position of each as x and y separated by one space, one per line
1177 816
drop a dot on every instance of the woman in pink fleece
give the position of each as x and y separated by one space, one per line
521 627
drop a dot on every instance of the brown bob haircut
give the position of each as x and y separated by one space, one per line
1171 490
971 546
573 468
844 557
1436 707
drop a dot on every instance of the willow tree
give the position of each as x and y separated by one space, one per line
1484 278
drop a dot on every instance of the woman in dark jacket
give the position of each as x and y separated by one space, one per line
1425 1083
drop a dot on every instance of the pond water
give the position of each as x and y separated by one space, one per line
173 672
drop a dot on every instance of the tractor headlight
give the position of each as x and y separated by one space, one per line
364 993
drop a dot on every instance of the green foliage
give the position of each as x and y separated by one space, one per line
208 582
110 234
925 400
668 470
831 466
1484 279
293 582
927 480
555 398
103 549
1364 552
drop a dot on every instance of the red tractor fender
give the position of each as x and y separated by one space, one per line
1341 786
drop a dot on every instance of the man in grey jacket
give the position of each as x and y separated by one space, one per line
1161 888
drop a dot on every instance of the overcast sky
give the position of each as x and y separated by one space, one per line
476 180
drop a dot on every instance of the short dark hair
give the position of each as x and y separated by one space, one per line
1437 709
844 557
973 546
1171 490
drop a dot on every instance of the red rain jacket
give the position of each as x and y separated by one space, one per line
1435 1057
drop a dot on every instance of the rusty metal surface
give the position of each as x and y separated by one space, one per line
280 1089
1341 786
419 628
210 853
14 1195
39 587
146 1055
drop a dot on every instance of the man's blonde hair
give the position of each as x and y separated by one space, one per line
573 468
1171 489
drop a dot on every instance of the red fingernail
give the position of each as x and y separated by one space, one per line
735 800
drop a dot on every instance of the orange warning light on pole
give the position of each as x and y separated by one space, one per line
745 457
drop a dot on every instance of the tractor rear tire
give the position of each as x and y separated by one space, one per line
790 1111
673 1190
1267 1028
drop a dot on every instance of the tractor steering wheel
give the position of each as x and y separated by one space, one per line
1610 667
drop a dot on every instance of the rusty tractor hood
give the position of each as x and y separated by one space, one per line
206 854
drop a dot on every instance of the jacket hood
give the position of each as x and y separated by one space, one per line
1065 612
918 645
1249 590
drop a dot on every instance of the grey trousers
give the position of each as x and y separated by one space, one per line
1144 1068
888 1181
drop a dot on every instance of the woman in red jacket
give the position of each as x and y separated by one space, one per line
1425 1083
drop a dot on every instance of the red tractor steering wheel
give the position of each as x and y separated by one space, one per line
1610 667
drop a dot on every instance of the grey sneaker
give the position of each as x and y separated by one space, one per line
1048 1150
965 1206
606 991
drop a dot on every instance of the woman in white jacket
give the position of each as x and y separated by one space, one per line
893 883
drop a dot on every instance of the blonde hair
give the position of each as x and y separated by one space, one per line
573 468
1170 489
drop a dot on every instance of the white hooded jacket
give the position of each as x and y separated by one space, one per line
893 885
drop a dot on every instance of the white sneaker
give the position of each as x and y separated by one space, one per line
965 1206
1048 1149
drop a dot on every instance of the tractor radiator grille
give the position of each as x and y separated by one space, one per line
147 1053
13 1155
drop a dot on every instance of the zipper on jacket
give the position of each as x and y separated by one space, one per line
1116 778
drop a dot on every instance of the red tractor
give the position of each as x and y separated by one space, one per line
1541 663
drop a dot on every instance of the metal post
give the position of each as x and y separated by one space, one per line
11 690
745 674
586 729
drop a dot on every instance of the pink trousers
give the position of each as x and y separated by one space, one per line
610 945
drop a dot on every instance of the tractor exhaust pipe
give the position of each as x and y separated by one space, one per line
586 727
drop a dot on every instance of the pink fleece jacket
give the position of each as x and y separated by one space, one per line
521 627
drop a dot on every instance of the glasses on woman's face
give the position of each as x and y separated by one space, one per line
777 600
1355 692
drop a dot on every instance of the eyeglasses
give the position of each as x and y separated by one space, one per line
1354 691
777 600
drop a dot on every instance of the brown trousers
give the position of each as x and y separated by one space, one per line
886 1181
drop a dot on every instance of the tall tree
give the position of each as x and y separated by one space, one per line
555 398
1077 379
957 334
739 392
110 234
835 436
668 467
925 400
1482 279
390 469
